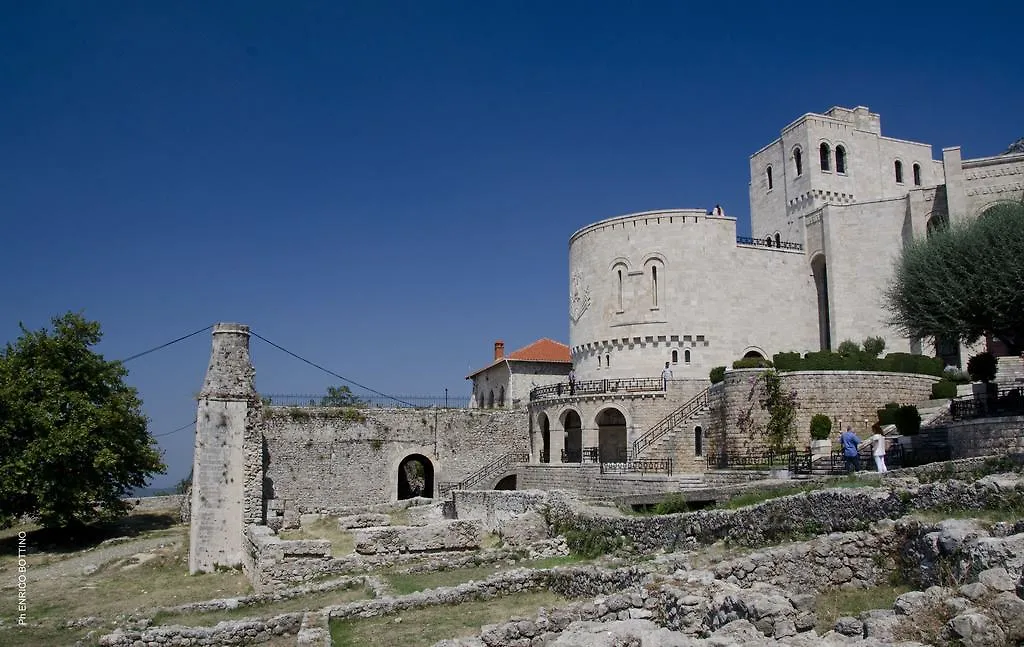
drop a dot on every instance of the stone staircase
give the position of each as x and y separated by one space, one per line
664 437
691 481
1010 372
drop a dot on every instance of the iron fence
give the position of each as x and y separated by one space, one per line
769 459
597 387
369 401
1001 402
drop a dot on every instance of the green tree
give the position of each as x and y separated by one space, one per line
73 439
964 282
873 346
848 348
341 396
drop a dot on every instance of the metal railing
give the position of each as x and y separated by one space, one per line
765 242
369 401
1002 402
765 460
498 466
641 466
671 421
598 387
584 455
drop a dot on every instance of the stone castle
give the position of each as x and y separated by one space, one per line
832 204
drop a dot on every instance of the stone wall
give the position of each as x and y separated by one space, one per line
586 480
328 460
494 507
157 503
985 436
848 397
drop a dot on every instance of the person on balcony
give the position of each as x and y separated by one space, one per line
666 375
572 381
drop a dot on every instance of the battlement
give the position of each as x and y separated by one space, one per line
646 218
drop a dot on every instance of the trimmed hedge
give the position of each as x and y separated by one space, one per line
829 361
752 362
943 389
821 426
717 374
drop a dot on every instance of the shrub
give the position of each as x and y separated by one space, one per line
873 346
887 416
717 374
982 367
672 504
848 348
821 426
752 362
787 361
908 420
943 389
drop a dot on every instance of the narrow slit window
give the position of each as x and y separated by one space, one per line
620 291
607 361
917 175
798 161
768 175
840 159
654 285
675 357
686 356
778 240
898 166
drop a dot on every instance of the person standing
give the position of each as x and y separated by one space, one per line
666 375
851 450
572 381
877 441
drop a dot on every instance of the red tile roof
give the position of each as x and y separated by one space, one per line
542 350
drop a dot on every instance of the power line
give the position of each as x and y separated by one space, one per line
173 341
181 428
330 372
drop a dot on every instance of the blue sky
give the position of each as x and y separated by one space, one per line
388 187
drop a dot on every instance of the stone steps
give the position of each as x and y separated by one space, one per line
665 447
1010 372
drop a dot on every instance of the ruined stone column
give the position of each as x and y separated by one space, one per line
218 475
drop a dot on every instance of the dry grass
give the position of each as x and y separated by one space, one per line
834 604
405 583
424 627
342 542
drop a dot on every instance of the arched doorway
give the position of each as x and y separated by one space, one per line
507 483
545 439
611 436
415 477
820 270
573 437
753 354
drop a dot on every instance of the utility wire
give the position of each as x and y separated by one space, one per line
330 372
173 341
183 427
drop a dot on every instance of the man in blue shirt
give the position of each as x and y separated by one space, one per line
851 450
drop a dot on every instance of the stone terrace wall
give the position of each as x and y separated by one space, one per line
316 460
811 513
587 481
492 507
985 436
845 396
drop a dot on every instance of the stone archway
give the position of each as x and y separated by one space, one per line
415 477
611 436
573 426
545 438
506 483
819 268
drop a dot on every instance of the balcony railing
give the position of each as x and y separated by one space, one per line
1004 402
767 242
598 387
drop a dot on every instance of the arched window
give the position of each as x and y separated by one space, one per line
501 397
698 441
599 361
686 356
778 240
917 175
654 285
825 157
768 241
675 357
481 399
840 159
798 161
620 290
607 361
898 166
768 175
490 400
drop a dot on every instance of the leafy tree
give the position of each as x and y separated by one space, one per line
182 486
341 396
983 367
964 282
73 439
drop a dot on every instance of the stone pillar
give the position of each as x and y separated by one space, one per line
218 476
557 439
956 199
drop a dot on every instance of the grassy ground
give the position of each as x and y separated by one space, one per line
342 542
424 627
118 587
405 583
832 605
